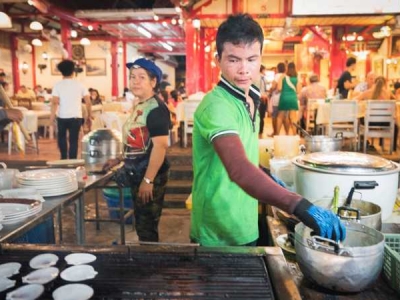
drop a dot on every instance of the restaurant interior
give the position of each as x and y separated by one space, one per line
51 209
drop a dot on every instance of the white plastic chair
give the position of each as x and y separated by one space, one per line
310 114
189 108
379 121
344 118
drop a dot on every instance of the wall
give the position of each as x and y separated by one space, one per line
167 69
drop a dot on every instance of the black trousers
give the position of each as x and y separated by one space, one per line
72 125
262 109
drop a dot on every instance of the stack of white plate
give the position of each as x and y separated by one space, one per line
16 210
49 182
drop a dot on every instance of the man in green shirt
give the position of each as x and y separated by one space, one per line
227 181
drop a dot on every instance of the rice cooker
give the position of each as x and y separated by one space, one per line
373 177
100 145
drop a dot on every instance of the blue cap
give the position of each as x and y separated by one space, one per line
147 65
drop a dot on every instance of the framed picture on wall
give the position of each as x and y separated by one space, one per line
378 67
395 45
96 67
53 66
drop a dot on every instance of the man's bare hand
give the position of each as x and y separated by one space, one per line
14 115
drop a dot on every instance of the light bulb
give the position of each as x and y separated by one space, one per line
35 25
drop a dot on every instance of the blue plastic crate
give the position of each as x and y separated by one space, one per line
113 202
40 234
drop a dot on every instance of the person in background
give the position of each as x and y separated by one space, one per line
26 93
2 77
67 95
227 179
262 108
333 92
95 97
397 91
365 85
129 97
145 137
346 82
182 90
275 96
378 91
175 98
314 90
288 107
8 115
164 83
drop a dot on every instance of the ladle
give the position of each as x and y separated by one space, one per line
302 130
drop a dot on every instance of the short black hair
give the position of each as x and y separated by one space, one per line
351 61
2 74
66 67
164 76
281 67
396 85
239 29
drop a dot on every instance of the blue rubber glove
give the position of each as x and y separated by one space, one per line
322 221
274 178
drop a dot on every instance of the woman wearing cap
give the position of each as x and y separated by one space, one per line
145 137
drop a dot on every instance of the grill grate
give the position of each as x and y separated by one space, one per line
164 275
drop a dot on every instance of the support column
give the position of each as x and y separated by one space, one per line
238 6
34 66
192 58
14 62
124 65
114 69
66 37
337 56
202 61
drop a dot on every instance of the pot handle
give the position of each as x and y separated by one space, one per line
93 141
94 153
346 208
339 135
302 149
365 185
323 244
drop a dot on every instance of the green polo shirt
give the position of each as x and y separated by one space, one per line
222 213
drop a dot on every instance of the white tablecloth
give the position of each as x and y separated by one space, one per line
324 112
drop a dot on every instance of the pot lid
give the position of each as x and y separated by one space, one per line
345 161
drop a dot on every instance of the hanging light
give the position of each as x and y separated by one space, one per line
36 42
173 21
24 67
120 49
196 23
85 41
164 24
5 20
74 33
156 18
90 27
35 25
180 21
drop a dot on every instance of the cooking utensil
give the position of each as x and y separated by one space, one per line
316 174
361 211
350 266
100 145
302 130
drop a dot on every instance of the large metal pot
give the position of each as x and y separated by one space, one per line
363 212
350 266
100 145
316 175
323 143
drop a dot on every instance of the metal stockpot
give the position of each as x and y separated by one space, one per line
100 145
323 143
364 212
350 266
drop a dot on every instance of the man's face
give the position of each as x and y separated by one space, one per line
352 68
370 80
240 64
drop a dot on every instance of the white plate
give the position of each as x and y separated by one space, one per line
41 276
29 193
6 283
9 269
26 292
79 258
43 261
75 291
59 192
45 174
65 162
78 273
282 242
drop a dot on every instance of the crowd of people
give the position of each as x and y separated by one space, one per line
287 97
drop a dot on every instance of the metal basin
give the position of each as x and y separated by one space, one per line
322 143
350 266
